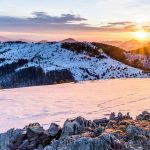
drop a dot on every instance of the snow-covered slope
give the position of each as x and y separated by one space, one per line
139 59
51 57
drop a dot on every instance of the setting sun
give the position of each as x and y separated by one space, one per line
142 35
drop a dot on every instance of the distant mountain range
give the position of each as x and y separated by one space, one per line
69 40
127 45
143 51
4 39
28 64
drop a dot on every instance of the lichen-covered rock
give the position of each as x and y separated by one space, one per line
133 131
144 116
101 122
138 137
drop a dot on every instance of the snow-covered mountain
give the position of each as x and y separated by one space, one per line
139 58
25 64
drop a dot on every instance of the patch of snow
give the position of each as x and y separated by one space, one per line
55 103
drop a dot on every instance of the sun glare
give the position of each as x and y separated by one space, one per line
141 35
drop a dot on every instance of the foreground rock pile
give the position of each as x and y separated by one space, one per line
119 132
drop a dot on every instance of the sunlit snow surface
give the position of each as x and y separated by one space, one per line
55 103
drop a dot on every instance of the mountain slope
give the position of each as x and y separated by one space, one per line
143 51
131 44
131 58
140 56
26 64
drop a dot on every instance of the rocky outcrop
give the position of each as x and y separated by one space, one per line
31 137
108 141
144 116
77 126
5 138
138 137
120 132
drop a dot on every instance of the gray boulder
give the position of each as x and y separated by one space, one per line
112 116
6 138
101 122
138 138
120 116
77 126
144 116
24 145
33 132
133 131
54 130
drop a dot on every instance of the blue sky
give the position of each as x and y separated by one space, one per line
82 19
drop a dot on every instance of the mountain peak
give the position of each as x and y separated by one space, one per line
69 40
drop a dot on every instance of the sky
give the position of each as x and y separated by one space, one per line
90 20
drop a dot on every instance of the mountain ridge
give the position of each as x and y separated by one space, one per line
127 45
68 40
27 64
